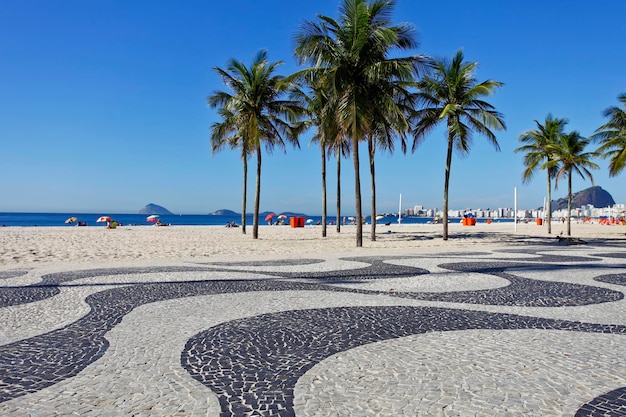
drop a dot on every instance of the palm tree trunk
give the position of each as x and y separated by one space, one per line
338 190
446 185
569 203
549 217
245 193
257 196
357 193
323 190
371 151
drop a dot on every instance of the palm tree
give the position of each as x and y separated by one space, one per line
452 94
258 112
388 128
536 146
351 56
612 136
568 154
225 133
326 130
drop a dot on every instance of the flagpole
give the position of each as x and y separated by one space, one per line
515 207
400 210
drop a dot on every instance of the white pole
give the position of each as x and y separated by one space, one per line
400 210
515 207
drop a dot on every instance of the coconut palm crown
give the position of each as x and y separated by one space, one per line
612 136
351 57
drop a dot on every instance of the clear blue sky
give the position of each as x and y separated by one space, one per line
103 103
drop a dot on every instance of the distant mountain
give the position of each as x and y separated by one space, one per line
154 209
224 212
595 196
292 214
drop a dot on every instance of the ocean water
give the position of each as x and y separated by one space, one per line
58 219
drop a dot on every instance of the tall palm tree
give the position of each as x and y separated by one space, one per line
452 94
568 154
352 56
536 146
259 113
389 127
225 133
612 136
326 130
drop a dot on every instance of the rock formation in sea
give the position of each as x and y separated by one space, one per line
154 209
224 212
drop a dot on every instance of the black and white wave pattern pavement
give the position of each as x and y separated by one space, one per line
526 331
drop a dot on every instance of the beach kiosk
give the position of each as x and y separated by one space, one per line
296 221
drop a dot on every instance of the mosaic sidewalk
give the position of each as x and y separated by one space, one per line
533 331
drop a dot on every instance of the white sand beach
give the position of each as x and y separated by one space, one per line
149 244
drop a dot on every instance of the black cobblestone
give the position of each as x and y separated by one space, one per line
13 273
617 279
283 346
611 404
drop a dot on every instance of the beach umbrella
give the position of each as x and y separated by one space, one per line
71 220
103 219
269 216
309 220
153 218
380 217
282 216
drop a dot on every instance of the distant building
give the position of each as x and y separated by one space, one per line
585 211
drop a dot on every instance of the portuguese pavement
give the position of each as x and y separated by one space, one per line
522 331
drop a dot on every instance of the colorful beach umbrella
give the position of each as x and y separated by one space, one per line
103 219
153 218
269 216
71 220
282 216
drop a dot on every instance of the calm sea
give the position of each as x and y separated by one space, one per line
58 219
